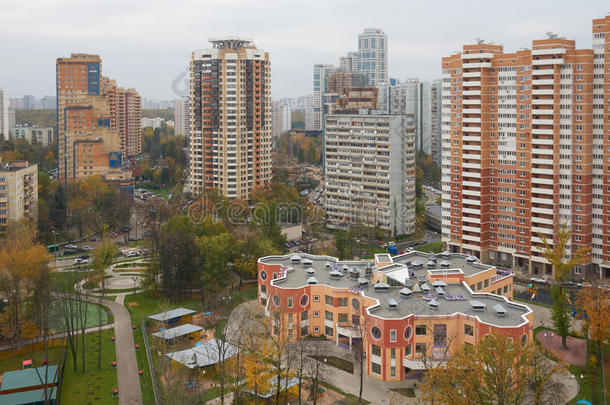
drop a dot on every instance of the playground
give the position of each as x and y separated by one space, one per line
575 355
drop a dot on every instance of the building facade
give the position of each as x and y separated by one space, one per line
405 309
370 171
373 55
286 118
349 63
230 147
97 122
525 147
34 134
276 119
182 117
4 120
18 192
321 74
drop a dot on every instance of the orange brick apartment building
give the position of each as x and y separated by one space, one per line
408 306
525 148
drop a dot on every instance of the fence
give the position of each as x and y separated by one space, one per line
150 363
32 347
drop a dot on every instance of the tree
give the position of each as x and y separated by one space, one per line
556 255
496 371
104 255
595 304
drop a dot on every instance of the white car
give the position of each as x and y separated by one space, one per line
87 248
538 280
133 253
70 246
78 260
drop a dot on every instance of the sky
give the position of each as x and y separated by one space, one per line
147 44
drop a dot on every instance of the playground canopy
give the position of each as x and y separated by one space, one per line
171 315
178 331
205 354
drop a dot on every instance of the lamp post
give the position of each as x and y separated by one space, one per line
134 278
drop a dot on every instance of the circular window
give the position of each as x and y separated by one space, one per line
355 303
263 275
523 340
304 300
408 332
276 300
376 332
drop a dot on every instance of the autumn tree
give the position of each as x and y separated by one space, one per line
595 303
104 255
555 253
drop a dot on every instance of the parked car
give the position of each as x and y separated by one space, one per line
87 248
70 251
78 260
538 280
71 246
84 257
132 253
144 252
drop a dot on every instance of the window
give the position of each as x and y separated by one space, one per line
263 276
316 314
304 300
468 330
408 350
393 371
328 331
486 283
392 335
290 302
328 315
376 350
304 316
276 300
316 298
263 288
343 317
355 303
408 332
316 329
328 300
523 340
375 368
479 285
342 302
375 332
420 348
420 330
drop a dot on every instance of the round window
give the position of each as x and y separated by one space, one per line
263 275
276 300
304 300
523 340
376 332
355 303
408 332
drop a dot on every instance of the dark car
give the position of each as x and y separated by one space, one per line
70 251
84 257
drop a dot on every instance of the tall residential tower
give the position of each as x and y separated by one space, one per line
230 113
373 55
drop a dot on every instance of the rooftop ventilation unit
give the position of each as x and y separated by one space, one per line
405 293
433 305
311 271
422 277
382 287
431 263
312 280
417 263
472 259
328 265
307 262
344 267
354 272
500 310
336 274
407 282
295 258
392 303
446 253
445 263
439 283
363 282
425 287
440 291
477 306
416 288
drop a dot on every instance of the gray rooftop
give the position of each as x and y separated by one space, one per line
205 354
178 331
296 276
172 314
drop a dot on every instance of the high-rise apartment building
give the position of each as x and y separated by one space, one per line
276 119
525 146
182 117
97 122
321 74
370 171
38 134
373 55
230 103
4 121
48 103
436 89
18 192
349 63
286 118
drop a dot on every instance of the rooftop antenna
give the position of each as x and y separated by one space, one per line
551 35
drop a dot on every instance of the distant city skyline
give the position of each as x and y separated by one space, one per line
147 45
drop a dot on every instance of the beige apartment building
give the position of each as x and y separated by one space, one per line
18 192
370 171
230 115
526 148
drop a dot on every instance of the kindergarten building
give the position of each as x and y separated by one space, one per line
407 308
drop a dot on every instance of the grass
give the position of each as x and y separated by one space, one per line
336 362
94 386
146 303
405 392
347 395
57 322
148 396
209 394
14 363
66 278
436 247
128 265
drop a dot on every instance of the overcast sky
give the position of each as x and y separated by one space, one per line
147 44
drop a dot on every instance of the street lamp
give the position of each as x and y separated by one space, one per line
134 278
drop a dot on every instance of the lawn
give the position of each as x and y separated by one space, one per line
94 386
336 362
142 266
405 392
57 322
148 396
349 398
436 247
66 278
142 304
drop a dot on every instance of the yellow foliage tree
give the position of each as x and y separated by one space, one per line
595 302
258 372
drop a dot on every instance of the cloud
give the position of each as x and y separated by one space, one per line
146 44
